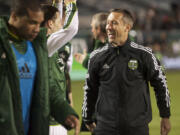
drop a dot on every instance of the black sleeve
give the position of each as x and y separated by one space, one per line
157 78
85 62
90 91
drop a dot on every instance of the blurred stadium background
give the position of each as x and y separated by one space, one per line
157 26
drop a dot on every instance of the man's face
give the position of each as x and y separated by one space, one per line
57 23
115 28
28 26
94 30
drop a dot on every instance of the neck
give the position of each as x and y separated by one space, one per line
102 38
48 32
120 43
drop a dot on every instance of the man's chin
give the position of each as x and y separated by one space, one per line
31 38
110 41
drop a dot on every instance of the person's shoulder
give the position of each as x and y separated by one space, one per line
99 51
41 38
43 32
140 48
42 35
4 18
3 22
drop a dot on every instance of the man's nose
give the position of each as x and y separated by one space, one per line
37 28
108 26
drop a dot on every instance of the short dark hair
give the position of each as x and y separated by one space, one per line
101 20
127 15
20 7
49 13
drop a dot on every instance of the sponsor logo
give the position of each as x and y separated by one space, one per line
24 72
3 56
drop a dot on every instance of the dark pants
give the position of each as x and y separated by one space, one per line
139 130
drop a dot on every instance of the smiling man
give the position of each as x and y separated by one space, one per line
117 83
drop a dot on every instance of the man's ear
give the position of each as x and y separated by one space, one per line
50 24
14 16
128 27
98 29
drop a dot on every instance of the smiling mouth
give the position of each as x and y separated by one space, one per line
111 35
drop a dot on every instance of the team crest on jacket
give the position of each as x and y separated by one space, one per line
133 64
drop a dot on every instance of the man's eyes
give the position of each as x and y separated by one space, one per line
32 22
114 22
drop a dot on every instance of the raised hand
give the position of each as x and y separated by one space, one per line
80 56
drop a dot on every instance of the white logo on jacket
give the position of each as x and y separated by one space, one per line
106 66
3 56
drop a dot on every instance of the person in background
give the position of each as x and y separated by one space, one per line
98 29
116 86
25 100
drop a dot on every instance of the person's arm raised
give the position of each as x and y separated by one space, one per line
69 30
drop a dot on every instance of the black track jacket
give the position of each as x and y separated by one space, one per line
116 86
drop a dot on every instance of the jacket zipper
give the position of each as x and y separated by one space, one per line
117 51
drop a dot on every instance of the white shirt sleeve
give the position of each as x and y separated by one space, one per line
61 37
60 8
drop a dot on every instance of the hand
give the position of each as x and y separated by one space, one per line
67 1
73 122
80 57
91 127
165 126
57 1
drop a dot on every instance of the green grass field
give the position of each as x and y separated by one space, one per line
173 78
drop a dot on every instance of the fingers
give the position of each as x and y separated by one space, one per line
67 1
79 57
70 122
84 51
164 131
73 122
91 127
165 126
77 128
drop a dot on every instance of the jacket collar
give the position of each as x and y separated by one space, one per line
126 45
7 48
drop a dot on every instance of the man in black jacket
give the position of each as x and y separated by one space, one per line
117 83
